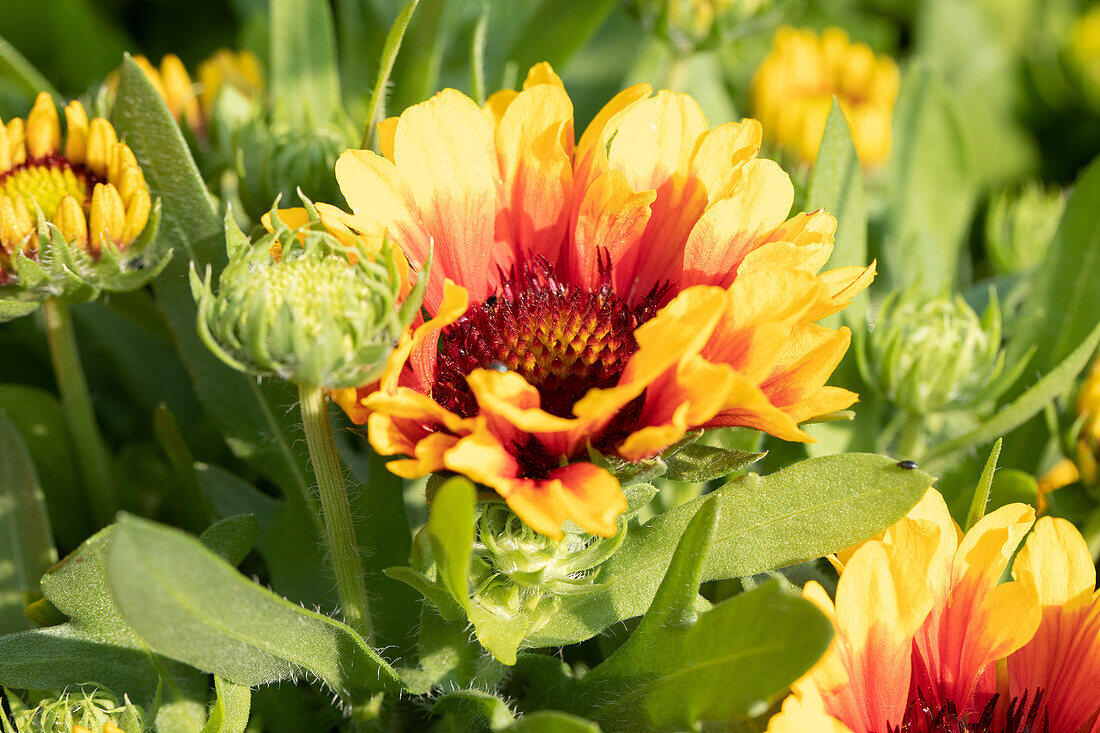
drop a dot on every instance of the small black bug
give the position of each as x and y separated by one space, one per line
907 464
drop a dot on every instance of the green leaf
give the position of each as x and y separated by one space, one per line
38 416
247 414
1060 312
376 109
696 462
26 545
96 647
451 530
16 69
190 506
933 191
190 605
305 84
679 667
557 29
552 721
981 492
836 185
463 709
415 75
805 511
232 538
1054 383
231 708
290 547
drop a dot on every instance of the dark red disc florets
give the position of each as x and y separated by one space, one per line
564 340
1022 716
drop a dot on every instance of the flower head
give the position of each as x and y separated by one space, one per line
1020 226
794 87
316 304
610 293
923 626
1085 464
70 205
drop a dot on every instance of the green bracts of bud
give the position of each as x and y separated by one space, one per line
300 305
63 269
1019 227
933 356
92 710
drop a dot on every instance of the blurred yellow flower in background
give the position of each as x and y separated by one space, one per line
794 87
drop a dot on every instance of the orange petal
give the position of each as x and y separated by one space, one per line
444 149
611 218
534 143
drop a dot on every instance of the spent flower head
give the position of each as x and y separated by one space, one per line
76 216
310 304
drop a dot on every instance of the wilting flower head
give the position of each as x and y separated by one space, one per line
923 626
70 206
1020 226
315 305
610 294
794 87
936 355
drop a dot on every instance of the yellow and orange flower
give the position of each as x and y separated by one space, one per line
924 631
1085 466
613 293
794 87
88 184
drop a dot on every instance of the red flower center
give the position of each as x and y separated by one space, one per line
1023 716
562 339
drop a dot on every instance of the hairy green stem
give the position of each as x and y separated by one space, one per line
91 452
911 441
336 509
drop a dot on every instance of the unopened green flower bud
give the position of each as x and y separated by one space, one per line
1020 226
89 711
931 356
519 571
274 158
304 304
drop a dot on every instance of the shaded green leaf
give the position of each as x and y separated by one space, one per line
467 708
557 29
16 69
552 721
933 190
26 545
451 530
232 538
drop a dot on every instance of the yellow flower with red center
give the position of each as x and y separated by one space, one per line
610 294
928 640
89 184
794 87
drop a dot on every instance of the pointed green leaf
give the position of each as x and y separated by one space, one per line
376 108
981 492
232 538
26 544
932 184
190 605
451 529
232 705
836 185
305 85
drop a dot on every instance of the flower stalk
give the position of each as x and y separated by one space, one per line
91 453
336 509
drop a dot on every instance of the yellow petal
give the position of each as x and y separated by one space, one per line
43 128
76 132
137 215
71 221
108 216
101 142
